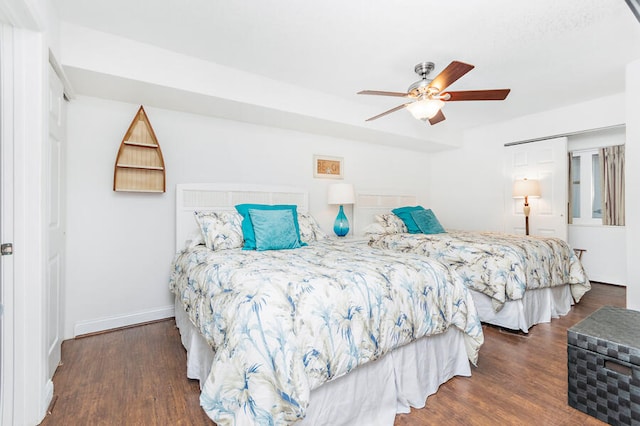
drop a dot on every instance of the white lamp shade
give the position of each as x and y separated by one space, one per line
425 108
341 193
526 188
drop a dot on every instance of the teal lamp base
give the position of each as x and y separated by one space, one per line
341 225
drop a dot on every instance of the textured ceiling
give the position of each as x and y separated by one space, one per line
550 53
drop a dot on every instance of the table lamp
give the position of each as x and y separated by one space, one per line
525 188
341 193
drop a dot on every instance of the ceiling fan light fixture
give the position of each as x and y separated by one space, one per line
428 96
425 109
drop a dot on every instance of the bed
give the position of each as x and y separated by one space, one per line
516 281
329 333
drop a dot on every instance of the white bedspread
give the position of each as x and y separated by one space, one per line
281 323
501 266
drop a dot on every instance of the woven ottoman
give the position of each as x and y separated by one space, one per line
604 365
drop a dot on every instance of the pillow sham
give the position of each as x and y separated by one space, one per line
193 240
374 228
404 213
391 224
274 229
220 230
427 222
309 229
247 226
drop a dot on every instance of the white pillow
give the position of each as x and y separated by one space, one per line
309 229
220 230
391 223
374 229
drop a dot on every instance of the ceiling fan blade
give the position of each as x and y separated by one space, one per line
451 73
437 118
381 93
388 112
477 95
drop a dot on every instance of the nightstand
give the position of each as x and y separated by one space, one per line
349 239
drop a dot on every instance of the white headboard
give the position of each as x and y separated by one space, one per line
224 196
370 203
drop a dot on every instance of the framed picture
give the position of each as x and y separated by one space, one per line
328 167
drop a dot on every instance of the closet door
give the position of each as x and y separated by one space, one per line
545 161
55 219
6 226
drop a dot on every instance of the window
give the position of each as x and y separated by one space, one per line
596 199
586 190
575 186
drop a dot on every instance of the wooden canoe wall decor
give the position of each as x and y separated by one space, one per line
139 164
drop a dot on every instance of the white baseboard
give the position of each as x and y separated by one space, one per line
102 324
47 397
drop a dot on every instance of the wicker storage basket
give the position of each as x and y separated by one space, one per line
604 365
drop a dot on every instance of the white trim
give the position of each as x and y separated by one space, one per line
564 135
6 225
579 152
30 127
68 90
20 14
108 323
587 187
47 396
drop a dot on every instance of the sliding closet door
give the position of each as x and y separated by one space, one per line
545 161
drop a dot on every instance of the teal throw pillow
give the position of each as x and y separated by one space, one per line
404 213
247 226
274 229
427 222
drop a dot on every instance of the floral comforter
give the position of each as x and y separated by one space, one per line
281 323
501 266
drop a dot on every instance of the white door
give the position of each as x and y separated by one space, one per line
547 162
6 228
56 220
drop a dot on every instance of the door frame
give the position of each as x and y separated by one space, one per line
56 218
6 225
27 393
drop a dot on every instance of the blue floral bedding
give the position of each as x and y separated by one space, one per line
281 323
501 266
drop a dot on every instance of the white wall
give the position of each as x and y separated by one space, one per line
467 185
120 245
632 192
598 139
605 258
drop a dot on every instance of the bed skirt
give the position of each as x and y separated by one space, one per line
537 306
371 394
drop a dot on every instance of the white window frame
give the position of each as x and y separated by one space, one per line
587 188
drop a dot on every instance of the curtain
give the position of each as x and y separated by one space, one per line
612 181
570 192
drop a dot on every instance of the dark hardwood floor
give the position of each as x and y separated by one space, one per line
137 376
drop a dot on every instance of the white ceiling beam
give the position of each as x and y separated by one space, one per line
96 61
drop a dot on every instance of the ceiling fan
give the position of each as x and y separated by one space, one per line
428 96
